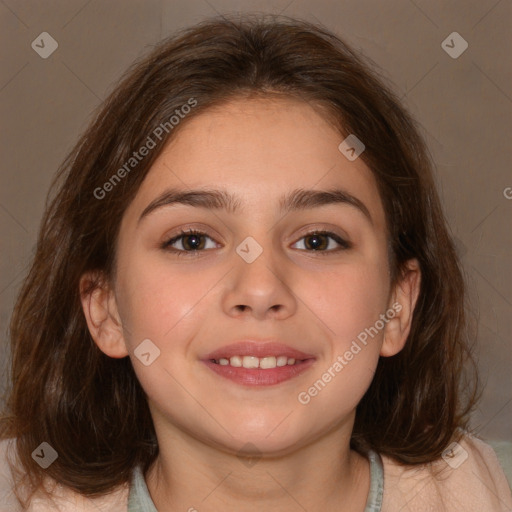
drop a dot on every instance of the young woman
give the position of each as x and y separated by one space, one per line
245 295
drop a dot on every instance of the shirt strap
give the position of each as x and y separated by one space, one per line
374 501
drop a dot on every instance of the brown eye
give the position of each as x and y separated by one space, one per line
190 241
319 241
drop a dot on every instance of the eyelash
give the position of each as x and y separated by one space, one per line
166 245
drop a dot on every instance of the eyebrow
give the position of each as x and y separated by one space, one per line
216 199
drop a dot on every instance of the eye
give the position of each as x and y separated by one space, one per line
319 241
189 240
193 241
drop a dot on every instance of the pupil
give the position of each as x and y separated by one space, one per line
195 241
317 241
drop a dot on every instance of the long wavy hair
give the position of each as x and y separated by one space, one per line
91 408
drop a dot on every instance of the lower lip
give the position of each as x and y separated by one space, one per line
257 376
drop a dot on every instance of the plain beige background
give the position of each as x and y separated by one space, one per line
464 105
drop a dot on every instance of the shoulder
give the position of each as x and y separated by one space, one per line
7 496
468 477
62 498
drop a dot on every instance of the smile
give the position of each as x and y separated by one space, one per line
264 363
254 371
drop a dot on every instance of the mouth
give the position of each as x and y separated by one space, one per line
258 363
259 376
263 363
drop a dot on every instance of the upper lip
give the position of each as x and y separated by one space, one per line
257 348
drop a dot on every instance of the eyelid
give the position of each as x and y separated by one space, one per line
192 229
327 230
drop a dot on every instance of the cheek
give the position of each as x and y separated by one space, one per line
349 299
160 304
349 305
155 301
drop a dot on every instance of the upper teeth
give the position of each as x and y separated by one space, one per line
256 362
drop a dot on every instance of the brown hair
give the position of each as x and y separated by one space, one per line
91 408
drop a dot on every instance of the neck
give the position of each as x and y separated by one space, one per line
324 475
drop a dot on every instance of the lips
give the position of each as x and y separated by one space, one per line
258 349
217 361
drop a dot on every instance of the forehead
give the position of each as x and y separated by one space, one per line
259 149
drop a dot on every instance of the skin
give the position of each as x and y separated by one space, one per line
258 149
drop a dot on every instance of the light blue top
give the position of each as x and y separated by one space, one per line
139 499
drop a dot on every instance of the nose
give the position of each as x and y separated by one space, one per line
260 288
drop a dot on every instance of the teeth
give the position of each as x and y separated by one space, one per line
235 361
268 362
250 362
256 362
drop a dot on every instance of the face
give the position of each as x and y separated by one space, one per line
313 278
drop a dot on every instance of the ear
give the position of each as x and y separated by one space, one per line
403 299
100 310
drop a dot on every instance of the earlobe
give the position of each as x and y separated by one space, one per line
100 310
404 298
